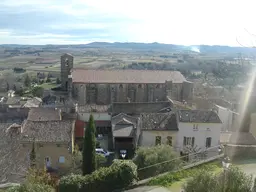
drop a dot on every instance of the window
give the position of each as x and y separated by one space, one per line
189 141
158 140
120 86
47 162
139 86
195 127
208 142
169 140
61 159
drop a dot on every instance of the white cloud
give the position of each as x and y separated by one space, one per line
168 21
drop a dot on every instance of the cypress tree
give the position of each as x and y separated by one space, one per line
89 145
33 156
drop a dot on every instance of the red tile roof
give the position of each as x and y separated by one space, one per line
125 76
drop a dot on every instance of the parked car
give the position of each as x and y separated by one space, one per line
103 152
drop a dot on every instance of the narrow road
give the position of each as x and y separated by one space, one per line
149 189
248 166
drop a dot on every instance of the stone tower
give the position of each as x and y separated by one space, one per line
66 62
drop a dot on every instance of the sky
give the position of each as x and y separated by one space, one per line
186 22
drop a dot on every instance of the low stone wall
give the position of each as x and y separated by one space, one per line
240 151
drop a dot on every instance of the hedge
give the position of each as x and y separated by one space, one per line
120 174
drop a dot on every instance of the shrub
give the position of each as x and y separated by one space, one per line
152 161
233 180
119 175
41 177
168 179
202 181
31 187
100 160
71 183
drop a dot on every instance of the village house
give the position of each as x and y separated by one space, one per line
126 134
228 118
102 119
13 115
14 162
53 136
159 128
54 142
199 130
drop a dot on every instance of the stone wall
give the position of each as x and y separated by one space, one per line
240 151
187 91
107 93
103 94
176 92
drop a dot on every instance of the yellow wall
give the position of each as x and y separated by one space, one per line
149 136
50 150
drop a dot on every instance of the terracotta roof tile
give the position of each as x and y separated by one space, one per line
93 108
14 162
44 114
159 121
126 76
138 108
117 119
47 131
198 116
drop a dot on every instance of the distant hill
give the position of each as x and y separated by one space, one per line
172 47
207 49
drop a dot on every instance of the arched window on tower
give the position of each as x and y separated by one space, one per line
67 62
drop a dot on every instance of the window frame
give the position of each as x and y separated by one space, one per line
158 140
169 140
208 142
63 159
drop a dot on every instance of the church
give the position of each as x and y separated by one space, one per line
103 87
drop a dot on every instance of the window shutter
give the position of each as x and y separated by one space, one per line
193 141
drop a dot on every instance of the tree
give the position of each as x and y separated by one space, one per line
7 86
27 81
58 81
14 87
33 156
19 92
37 91
89 146
48 80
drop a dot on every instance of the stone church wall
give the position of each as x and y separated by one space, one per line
106 93
103 94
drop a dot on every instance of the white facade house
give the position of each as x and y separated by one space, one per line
227 117
199 130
